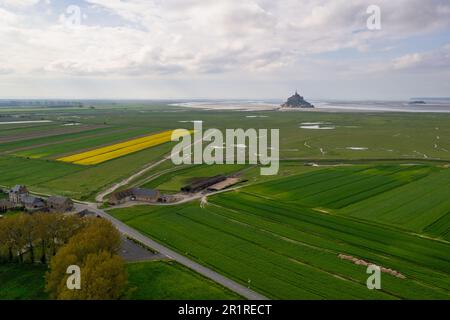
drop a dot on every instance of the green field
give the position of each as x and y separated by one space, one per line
77 145
287 247
155 280
386 136
22 282
378 190
168 280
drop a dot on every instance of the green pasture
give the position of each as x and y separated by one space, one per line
422 205
22 282
287 257
278 236
74 146
168 280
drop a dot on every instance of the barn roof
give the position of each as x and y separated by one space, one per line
31 200
58 200
144 192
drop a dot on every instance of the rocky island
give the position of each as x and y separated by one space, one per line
297 101
417 102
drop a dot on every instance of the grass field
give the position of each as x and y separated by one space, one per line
154 280
280 235
420 206
22 282
386 136
63 147
288 249
168 280
341 186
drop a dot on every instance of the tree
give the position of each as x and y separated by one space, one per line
43 222
28 225
61 228
23 232
5 239
94 250
103 277
16 236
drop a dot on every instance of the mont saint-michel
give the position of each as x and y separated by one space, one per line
297 101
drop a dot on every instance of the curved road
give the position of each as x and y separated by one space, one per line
132 233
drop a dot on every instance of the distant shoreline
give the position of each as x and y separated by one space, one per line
336 107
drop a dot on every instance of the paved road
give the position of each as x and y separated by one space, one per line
208 273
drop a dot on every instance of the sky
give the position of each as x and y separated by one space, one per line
224 49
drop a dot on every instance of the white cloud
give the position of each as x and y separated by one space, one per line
18 3
437 59
197 37
232 39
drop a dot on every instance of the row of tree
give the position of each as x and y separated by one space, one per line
90 244
28 238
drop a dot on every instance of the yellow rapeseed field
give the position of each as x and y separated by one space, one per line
118 150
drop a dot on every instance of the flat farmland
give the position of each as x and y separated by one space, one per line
16 170
78 182
420 206
337 187
71 144
354 135
291 252
379 192
411 197
12 133
30 141
168 280
118 150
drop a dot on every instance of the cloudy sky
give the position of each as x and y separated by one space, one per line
150 49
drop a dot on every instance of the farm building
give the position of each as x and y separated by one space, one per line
134 194
168 198
202 184
145 195
86 213
120 197
6 205
229 182
32 203
59 204
16 194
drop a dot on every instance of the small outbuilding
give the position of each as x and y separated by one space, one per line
202 184
59 204
145 195
6 205
134 194
86 213
31 203
229 182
